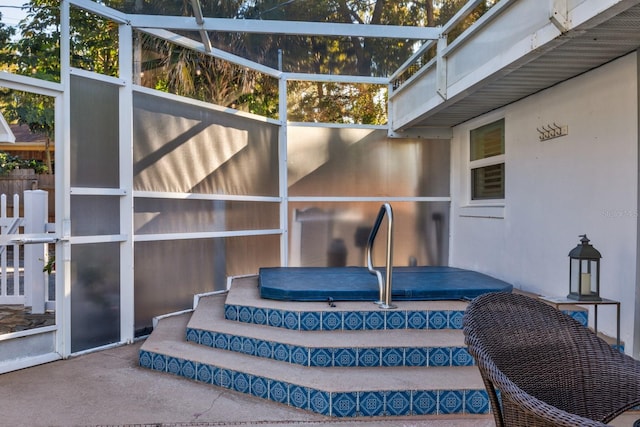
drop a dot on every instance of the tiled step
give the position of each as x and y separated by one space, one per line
244 305
340 348
338 392
344 359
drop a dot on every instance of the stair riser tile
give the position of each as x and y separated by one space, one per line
340 404
580 315
334 357
345 320
367 320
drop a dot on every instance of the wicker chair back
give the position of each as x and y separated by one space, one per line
543 368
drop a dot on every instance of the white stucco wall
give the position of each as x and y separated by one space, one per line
585 182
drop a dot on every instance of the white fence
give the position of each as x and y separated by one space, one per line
24 251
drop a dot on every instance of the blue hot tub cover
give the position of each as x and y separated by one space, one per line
357 284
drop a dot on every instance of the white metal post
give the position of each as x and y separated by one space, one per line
441 70
284 190
127 306
36 213
63 187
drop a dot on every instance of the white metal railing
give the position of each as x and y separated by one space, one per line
24 251
416 65
385 285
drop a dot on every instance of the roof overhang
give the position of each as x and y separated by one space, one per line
588 42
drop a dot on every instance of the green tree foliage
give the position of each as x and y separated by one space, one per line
169 67
36 112
6 33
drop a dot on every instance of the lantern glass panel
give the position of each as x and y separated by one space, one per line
575 276
595 276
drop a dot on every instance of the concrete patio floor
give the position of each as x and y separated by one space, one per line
108 388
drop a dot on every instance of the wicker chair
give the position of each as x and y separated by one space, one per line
542 368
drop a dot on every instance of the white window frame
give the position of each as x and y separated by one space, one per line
481 208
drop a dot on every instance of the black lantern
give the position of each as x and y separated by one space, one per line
584 272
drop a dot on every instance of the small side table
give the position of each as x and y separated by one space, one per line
558 301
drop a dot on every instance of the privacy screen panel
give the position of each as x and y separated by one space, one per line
364 162
94 133
155 216
336 233
189 148
95 295
169 273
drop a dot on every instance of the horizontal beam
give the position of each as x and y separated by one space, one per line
335 78
99 9
199 47
238 60
328 29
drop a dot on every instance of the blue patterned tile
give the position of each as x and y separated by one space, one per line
353 321
279 392
245 314
204 373
281 352
369 357
476 402
620 347
235 343
438 320
260 316
189 369
207 338
580 315
264 349
259 387
241 382
193 335
310 321
345 357
321 357
417 319
249 345
158 362
396 320
398 403
392 357
331 321
174 365
230 312
440 356
145 359
215 378
344 404
298 396
319 402
222 341
460 357
371 403
300 355
226 378
374 320
291 320
450 402
424 402
455 319
275 318
415 356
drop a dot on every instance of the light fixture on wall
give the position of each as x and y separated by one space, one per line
584 272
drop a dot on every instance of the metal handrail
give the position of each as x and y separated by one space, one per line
385 285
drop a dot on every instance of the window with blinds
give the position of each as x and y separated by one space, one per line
487 161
